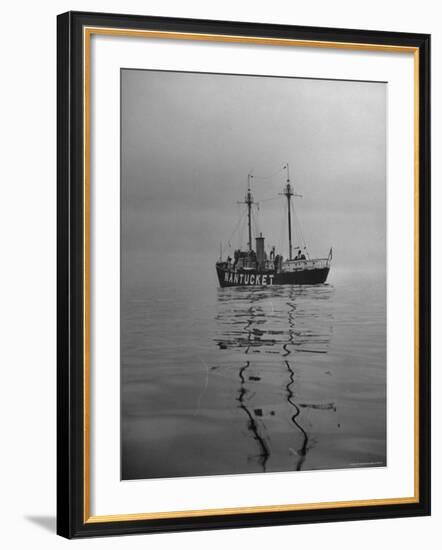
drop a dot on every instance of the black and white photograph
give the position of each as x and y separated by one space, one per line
219 235
253 274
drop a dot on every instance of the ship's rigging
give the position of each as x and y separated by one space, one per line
249 221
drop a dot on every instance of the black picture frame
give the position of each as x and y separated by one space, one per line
72 521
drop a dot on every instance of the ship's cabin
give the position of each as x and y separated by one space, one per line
258 259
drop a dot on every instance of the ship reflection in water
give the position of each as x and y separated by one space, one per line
271 326
265 379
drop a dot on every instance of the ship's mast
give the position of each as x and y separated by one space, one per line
288 192
249 201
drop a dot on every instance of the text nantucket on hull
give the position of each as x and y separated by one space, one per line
256 267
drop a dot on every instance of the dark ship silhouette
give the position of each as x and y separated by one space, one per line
257 268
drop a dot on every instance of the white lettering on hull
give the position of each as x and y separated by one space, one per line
243 279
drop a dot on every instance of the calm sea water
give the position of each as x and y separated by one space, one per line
242 380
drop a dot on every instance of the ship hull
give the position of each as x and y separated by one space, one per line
247 278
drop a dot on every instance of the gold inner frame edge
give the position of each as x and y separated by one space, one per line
87 33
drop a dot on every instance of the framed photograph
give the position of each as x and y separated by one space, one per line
243 274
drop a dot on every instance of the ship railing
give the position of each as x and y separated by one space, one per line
297 265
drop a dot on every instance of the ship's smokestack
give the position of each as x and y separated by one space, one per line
260 256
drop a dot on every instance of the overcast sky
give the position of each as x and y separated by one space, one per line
190 139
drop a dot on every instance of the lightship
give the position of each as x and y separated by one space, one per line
258 267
